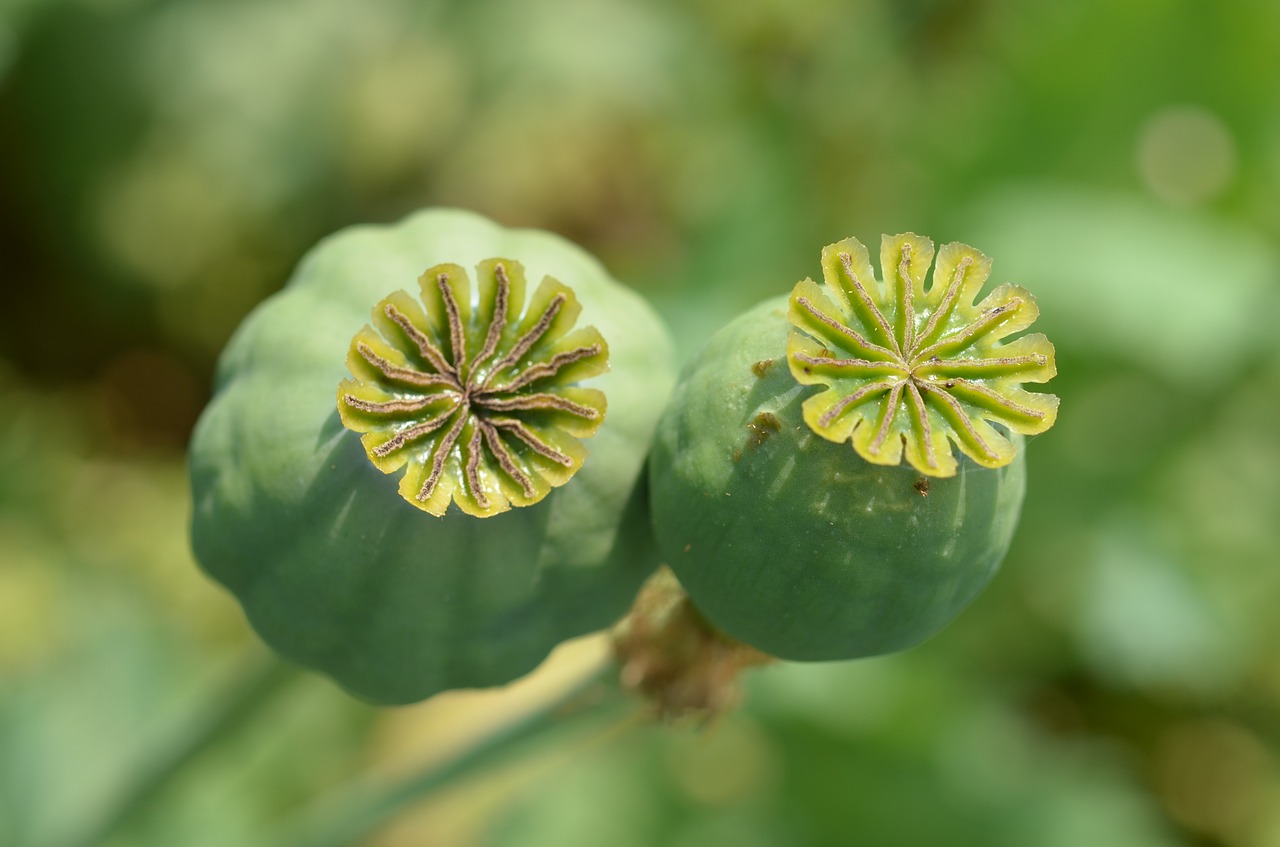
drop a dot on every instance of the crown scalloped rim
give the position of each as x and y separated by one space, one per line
478 403
908 370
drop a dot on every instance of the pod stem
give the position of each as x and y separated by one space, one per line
257 685
359 810
674 658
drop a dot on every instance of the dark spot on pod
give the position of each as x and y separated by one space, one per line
761 368
922 486
737 455
761 427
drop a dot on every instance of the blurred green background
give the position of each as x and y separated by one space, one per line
164 164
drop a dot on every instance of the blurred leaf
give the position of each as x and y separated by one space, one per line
1146 621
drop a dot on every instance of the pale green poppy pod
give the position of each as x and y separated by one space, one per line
483 501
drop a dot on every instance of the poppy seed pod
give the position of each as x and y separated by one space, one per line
473 497
803 481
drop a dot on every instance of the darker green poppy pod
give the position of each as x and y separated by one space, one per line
804 485
421 468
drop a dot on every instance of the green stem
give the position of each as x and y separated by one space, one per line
356 812
256 686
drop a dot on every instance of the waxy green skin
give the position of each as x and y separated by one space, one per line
334 569
795 544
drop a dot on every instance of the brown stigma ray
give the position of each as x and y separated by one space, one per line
505 460
942 354
852 366
964 337
859 342
886 418
426 348
440 457
389 407
527 435
958 417
457 338
412 433
853 399
948 299
499 444
906 300
499 321
995 399
473 470
529 339
846 262
529 402
549 369
1001 365
398 374
920 422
